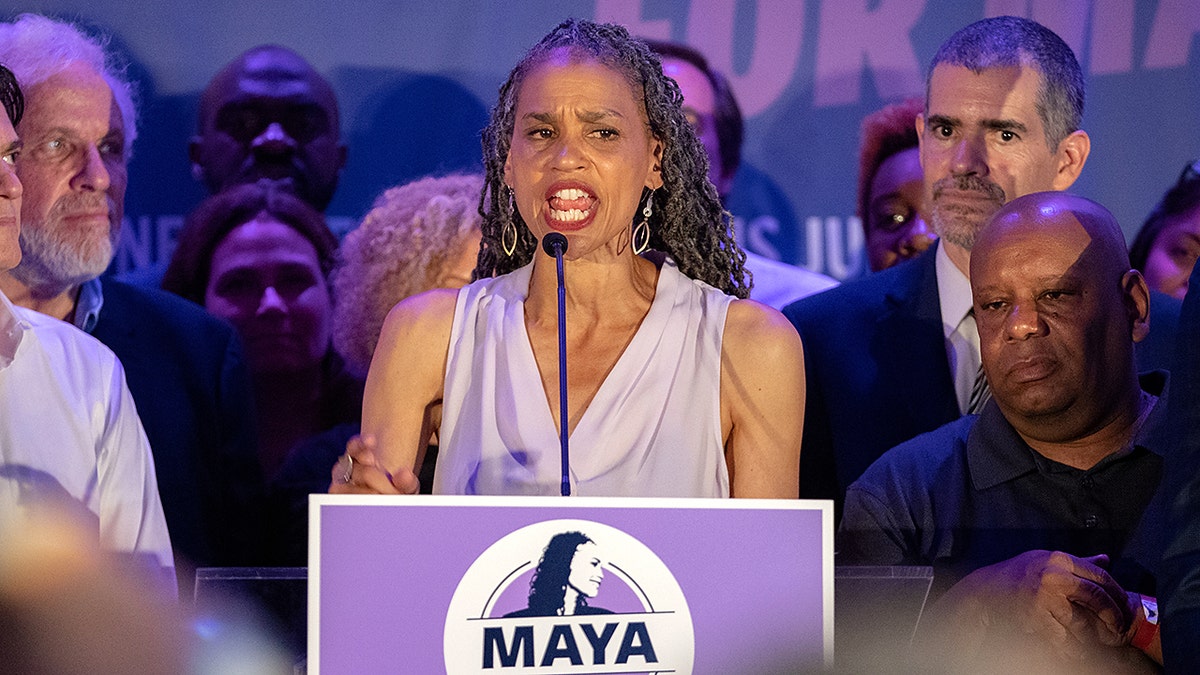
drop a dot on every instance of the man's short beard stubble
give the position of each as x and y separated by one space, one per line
960 224
56 257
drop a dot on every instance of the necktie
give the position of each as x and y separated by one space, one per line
981 393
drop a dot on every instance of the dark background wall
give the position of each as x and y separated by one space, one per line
415 81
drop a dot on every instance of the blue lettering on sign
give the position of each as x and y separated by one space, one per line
522 643
569 649
562 643
599 642
636 629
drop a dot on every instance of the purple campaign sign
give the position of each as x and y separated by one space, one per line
443 584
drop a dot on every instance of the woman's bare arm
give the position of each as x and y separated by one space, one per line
762 401
404 386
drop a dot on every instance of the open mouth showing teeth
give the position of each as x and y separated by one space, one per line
567 216
570 204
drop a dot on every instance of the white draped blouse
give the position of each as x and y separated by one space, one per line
652 430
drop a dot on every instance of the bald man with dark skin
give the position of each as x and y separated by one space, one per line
1056 327
269 115
1032 512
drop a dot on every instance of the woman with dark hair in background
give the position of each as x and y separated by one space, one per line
259 258
1166 248
676 386
891 195
569 572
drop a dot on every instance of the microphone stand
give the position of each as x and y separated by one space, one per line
555 245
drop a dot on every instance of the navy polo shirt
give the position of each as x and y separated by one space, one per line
972 493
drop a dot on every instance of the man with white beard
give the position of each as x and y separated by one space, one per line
70 441
184 367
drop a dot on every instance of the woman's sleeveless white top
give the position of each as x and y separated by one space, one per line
652 430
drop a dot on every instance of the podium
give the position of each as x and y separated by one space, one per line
446 584
877 608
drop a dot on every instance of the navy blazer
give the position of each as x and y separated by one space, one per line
189 382
877 373
1180 580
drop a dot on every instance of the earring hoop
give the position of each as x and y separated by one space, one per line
508 235
641 231
508 239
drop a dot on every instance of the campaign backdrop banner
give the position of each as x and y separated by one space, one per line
447 584
415 82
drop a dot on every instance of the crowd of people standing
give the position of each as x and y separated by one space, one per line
994 400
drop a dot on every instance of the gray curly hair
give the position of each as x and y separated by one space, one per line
688 224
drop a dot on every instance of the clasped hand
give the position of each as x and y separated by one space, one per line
360 472
1070 605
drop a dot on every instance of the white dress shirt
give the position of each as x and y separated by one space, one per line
962 336
69 432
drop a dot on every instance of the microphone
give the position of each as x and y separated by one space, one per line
551 243
555 245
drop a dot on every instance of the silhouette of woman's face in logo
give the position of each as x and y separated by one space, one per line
569 573
587 570
609 602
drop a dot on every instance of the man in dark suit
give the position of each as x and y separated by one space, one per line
897 353
1181 560
184 368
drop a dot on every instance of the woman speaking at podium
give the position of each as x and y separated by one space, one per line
677 386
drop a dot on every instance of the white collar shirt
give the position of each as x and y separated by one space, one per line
69 429
959 330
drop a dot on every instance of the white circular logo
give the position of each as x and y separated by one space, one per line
568 596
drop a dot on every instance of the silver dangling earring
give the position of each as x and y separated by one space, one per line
509 242
508 238
641 231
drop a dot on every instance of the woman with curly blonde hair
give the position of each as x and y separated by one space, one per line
418 236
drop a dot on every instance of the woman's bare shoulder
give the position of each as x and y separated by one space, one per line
432 305
762 401
416 332
421 317
753 327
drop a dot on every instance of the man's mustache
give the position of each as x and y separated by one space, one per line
970 183
75 202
